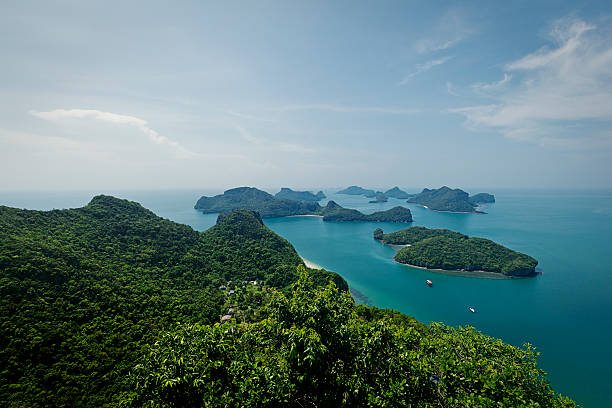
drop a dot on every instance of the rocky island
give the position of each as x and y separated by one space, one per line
268 206
356 190
379 197
395 192
451 200
449 250
289 194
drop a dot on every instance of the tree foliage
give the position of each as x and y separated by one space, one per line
83 291
316 348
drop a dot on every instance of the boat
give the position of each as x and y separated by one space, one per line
472 310
429 283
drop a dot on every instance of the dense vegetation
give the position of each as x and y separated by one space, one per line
379 197
446 199
268 206
395 192
412 235
445 249
83 291
249 198
334 212
316 348
289 194
356 190
482 198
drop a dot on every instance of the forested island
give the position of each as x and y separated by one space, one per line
334 212
450 250
356 190
268 206
395 192
451 200
289 194
379 197
111 305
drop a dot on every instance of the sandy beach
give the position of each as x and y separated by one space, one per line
311 265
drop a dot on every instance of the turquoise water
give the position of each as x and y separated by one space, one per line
564 312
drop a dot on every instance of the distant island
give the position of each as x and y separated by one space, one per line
334 212
449 250
451 200
379 197
289 194
356 190
395 192
268 206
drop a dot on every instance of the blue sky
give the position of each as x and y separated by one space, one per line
123 95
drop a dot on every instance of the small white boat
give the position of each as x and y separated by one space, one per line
429 283
472 310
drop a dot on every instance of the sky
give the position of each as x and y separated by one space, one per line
164 94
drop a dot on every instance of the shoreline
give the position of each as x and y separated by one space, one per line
310 264
465 274
304 215
451 212
357 296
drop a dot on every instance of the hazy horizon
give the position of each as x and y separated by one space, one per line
152 95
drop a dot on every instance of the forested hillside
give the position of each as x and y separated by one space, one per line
82 291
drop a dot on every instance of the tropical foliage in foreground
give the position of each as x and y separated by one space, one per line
445 249
84 291
317 348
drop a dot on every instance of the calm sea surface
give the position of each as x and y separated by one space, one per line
566 312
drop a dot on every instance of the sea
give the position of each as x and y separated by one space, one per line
565 311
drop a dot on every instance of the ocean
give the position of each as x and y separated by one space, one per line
565 311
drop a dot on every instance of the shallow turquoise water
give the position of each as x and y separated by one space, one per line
564 312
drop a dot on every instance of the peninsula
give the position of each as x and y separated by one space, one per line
289 194
451 200
450 250
268 206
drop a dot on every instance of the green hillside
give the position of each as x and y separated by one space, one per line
84 290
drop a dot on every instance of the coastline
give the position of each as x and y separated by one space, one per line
309 264
452 212
358 296
305 215
465 274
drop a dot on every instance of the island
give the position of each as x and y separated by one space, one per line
395 192
451 200
379 197
356 190
289 194
482 198
452 251
268 206
334 212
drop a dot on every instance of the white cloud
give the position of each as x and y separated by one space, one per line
138 123
350 109
450 88
451 28
480 86
421 68
558 86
